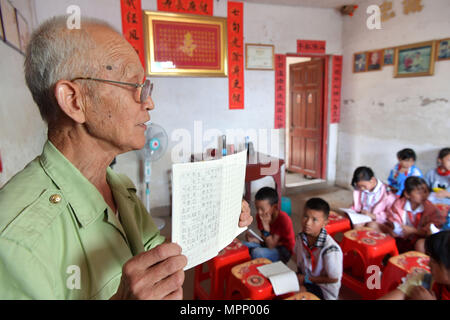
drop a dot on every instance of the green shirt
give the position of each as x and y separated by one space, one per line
58 237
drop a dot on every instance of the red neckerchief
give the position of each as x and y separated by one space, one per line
311 254
441 291
443 173
417 220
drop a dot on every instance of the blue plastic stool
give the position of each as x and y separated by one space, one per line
286 205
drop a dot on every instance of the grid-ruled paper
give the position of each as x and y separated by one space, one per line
206 204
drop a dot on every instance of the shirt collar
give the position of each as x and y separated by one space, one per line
320 242
407 207
86 201
376 189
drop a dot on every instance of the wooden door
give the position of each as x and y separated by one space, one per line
306 117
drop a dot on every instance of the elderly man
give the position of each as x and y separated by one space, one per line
71 228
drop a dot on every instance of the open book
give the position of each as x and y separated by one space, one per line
356 217
206 205
282 278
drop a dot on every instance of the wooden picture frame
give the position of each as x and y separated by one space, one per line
415 60
375 60
360 62
185 45
440 54
259 56
24 31
9 21
2 33
388 56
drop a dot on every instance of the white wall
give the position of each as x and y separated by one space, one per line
182 101
22 132
381 114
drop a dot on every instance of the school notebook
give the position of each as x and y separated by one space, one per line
355 217
206 205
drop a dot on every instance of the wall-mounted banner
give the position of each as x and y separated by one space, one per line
132 27
203 7
336 83
311 46
280 91
236 55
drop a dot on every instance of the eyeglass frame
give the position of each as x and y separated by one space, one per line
136 85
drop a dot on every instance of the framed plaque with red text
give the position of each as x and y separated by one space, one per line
185 45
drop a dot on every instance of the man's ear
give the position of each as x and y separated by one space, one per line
70 100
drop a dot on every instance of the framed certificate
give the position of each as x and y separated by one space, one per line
259 56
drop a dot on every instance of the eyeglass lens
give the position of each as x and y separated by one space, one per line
146 90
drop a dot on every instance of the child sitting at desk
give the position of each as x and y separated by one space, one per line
403 169
370 197
410 216
319 258
276 229
423 286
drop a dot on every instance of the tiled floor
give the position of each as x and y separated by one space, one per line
337 197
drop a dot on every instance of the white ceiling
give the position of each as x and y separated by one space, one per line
308 3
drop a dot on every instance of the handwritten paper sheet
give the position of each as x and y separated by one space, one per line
282 278
356 217
206 205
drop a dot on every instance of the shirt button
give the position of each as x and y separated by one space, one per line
55 198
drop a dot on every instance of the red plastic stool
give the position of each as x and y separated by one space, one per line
337 223
362 248
246 282
218 270
402 265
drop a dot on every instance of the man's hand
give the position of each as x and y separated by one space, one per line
245 219
420 293
153 275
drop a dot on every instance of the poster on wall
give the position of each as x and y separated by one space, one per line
311 46
203 7
9 19
336 84
132 26
236 55
280 91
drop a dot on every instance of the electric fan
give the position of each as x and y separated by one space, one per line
155 147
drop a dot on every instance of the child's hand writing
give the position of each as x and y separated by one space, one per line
420 293
408 231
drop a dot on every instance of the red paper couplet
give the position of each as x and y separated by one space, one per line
203 7
132 27
311 46
336 82
280 90
235 23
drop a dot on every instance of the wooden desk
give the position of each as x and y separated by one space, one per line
259 166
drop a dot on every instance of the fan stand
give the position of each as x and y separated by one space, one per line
160 223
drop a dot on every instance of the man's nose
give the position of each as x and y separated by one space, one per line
149 104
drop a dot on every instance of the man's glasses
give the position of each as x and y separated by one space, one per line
146 87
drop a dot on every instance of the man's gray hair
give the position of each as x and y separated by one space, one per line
55 53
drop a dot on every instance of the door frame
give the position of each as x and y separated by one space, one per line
325 122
